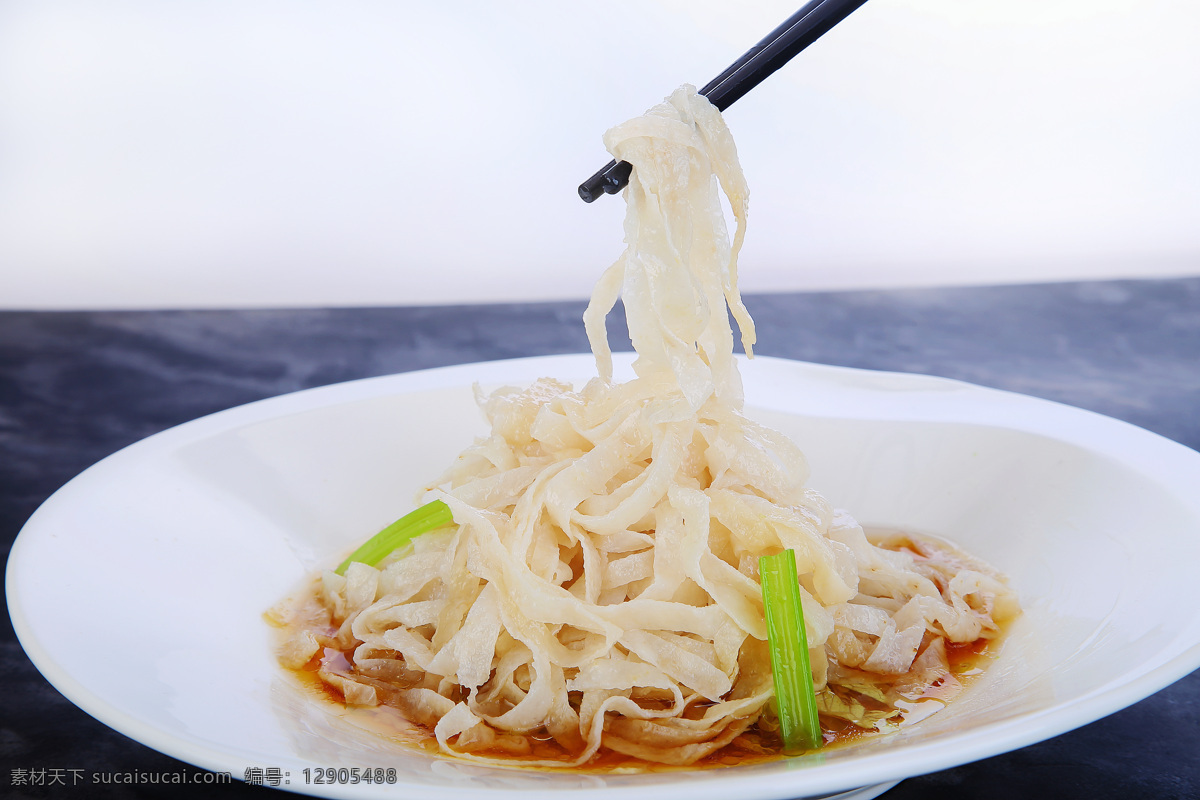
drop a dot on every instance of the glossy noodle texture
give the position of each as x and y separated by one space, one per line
599 590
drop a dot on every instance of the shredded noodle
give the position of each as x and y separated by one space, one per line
600 585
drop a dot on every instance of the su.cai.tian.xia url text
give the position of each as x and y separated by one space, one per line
68 776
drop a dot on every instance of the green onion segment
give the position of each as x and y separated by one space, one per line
428 517
790 667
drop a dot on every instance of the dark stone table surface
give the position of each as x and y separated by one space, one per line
76 386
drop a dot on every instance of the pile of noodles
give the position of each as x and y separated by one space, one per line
600 585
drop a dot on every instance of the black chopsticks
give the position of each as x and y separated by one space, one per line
780 45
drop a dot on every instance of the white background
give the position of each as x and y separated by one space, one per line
363 152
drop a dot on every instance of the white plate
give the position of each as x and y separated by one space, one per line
138 588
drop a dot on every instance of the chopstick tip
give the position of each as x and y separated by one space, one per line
609 180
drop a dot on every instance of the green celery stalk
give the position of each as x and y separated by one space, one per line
428 517
790 667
